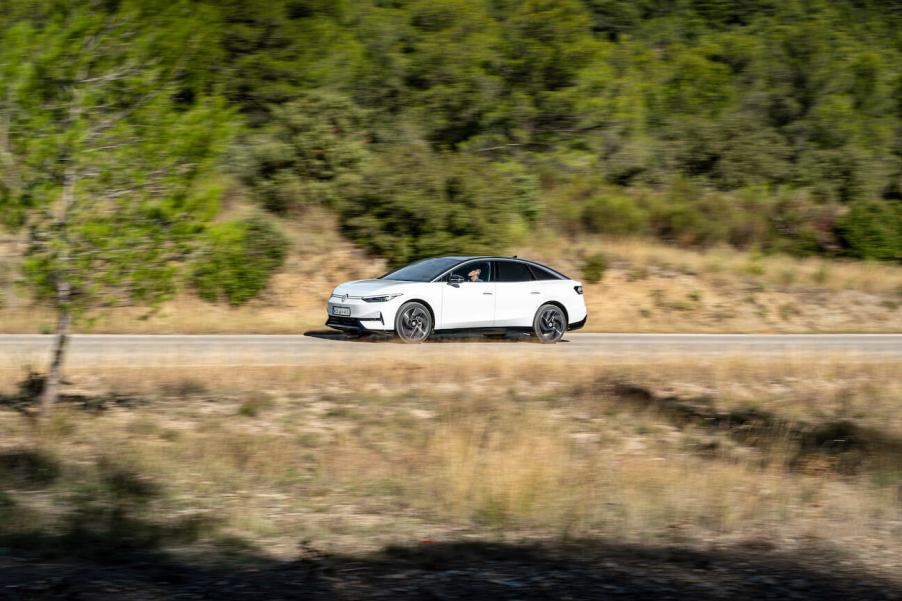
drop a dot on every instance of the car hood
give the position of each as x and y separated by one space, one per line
367 287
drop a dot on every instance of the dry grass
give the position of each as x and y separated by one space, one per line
723 262
352 462
651 287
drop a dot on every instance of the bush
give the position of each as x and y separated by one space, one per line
873 230
614 214
689 215
588 204
239 260
254 406
686 223
593 268
310 150
415 204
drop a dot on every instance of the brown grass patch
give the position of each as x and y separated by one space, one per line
534 448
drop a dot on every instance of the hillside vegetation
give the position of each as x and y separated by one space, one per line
456 125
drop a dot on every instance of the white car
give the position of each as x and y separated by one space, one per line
487 294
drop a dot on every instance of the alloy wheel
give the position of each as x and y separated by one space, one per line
550 324
413 324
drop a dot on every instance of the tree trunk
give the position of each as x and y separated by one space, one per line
63 298
60 340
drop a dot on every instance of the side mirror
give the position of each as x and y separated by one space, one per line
455 279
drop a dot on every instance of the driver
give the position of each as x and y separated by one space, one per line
474 275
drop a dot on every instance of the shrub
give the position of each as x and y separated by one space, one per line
799 226
240 258
614 214
254 406
821 275
688 216
27 467
593 268
416 204
873 230
309 151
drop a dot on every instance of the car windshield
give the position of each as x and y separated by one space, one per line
421 271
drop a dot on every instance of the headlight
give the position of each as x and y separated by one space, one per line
381 298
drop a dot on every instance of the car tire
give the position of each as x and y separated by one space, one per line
413 323
549 324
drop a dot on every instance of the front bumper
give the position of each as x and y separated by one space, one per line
354 324
364 315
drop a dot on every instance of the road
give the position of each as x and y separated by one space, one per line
22 349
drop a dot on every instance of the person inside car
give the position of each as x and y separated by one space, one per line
474 275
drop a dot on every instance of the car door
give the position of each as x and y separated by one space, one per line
516 294
468 296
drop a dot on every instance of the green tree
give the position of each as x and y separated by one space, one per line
108 160
452 70
873 230
237 260
413 204
310 151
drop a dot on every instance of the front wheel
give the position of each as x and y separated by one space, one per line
549 324
413 323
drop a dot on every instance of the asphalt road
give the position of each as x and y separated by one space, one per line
18 350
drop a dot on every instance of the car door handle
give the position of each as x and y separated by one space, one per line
487 293
535 293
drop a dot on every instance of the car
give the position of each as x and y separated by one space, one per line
491 295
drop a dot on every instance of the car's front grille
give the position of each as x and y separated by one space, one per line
343 321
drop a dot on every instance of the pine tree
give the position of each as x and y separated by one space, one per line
106 160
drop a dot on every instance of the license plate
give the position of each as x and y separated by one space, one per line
342 311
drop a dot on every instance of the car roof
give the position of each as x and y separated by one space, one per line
469 258
464 258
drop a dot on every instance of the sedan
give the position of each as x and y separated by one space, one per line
491 295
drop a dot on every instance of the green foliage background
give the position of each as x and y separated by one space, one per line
238 258
447 126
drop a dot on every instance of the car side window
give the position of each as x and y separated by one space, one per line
542 274
477 271
512 271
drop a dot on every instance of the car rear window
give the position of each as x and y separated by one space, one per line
511 271
540 273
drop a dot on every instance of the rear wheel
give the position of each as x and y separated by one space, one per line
549 324
413 323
